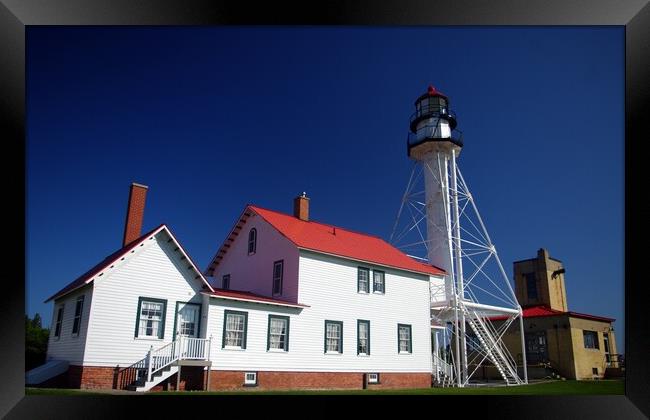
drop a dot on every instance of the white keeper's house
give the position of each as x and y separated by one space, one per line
286 302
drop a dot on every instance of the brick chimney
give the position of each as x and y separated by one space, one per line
135 213
301 207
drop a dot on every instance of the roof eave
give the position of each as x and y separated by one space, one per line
127 250
442 274
263 302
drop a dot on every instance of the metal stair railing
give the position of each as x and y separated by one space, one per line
499 360
492 347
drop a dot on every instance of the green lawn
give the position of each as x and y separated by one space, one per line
603 387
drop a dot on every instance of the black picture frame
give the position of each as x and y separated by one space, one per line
17 15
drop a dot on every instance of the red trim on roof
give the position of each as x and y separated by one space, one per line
241 220
545 311
87 277
328 239
594 317
102 265
250 296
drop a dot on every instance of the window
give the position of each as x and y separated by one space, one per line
278 268
78 310
362 280
252 241
363 337
151 318
188 319
594 371
404 338
234 329
591 339
250 378
278 333
225 282
536 347
378 281
373 378
59 322
333 337
531 285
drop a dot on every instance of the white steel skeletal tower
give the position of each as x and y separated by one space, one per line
438 222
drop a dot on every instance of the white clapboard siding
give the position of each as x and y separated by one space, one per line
68 347
254 273
155 270
329 285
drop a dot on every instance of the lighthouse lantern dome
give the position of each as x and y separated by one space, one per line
432 122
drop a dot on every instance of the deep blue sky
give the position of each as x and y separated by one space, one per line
214 118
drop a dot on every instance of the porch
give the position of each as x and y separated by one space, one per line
162 363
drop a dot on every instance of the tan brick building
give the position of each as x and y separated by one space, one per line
571 344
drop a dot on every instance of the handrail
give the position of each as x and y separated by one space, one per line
615 360
493 350
183 348
132 373
418 136
432 112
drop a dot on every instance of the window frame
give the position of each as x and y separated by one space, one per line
376 381
359 271
410 342
383 282
273 293
367 323
253 233
246 382
340 351
268 334
586 333
76 321
58 322
163 318
223 282
244 333
198 322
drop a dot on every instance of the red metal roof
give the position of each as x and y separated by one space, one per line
250 297
334 240
86 277
545 311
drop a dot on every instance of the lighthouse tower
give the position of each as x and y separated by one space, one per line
456 237
431 143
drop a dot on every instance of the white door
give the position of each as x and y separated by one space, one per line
187 321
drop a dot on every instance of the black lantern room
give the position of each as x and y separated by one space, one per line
433 104
432 119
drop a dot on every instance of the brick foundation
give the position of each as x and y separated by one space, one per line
96 377
230 380
92 377
194 378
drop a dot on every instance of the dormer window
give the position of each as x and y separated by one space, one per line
252 241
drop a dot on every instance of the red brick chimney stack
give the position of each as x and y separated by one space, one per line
135 213
301 207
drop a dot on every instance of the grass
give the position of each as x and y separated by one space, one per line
602 387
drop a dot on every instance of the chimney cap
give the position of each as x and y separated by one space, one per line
303 195
139 185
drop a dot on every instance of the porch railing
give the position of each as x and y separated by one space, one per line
183 348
